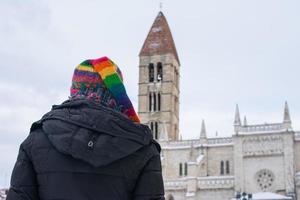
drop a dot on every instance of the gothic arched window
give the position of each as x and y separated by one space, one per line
159 72
180 169
151 72
227 167
158 101
185 169
222 167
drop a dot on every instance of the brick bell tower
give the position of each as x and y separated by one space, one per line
159 72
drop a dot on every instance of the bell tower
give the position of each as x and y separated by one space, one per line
159 74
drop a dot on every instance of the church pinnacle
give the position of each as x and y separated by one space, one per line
245 121
203 130
237 119
286 116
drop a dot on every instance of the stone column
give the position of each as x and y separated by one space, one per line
289 162
191 181
238 163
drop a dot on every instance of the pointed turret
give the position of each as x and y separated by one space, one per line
159 40
203 130
286 117
245 121
203 136
237 119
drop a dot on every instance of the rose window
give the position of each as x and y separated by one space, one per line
264 179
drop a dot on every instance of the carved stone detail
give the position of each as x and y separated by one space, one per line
262 145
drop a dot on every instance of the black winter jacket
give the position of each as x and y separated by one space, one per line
83 151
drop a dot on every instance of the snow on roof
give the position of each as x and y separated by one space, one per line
190 194
199 159
156 29
268 196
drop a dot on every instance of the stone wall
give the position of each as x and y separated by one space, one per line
215 194
252 168
168 88
264 157
215 155
297 155
171 161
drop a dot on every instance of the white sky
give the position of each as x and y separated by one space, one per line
232 51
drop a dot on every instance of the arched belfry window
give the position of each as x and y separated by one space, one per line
227 167
158 101
155 102
222 167
159 72
154 126
156 130
151 72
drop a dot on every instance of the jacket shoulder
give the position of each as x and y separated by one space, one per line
149 152
35 137
157 145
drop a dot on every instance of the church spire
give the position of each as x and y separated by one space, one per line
159 89
159 40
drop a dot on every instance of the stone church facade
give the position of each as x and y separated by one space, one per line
257 158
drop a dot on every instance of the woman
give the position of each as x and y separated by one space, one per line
92 146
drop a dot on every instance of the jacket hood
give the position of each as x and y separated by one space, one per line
93 133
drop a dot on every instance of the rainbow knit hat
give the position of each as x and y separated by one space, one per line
101 80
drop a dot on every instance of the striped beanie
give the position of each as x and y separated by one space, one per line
101 80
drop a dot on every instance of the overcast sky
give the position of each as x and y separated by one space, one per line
232 51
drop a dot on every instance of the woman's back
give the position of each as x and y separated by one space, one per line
91 146
71 156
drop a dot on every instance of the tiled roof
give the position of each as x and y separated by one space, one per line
159 40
